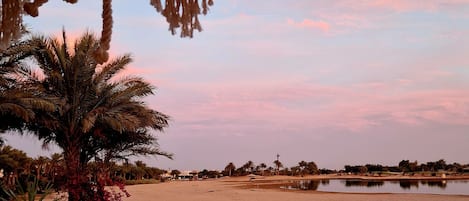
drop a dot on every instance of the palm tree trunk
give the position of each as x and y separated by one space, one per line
77 181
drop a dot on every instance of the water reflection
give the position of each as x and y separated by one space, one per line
367 183
382 186
306 184
407 184
441 184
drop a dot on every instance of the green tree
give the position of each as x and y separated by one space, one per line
440 164
56 171
262 167
140 169
13 162
40 165
312 168
248 166
19 100
278 165
302 165
175 173
230 168
295 170
404 166
98 117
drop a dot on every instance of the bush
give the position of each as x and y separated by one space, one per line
143 181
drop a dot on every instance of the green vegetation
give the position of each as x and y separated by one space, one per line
36 177
94 118
406 167
303 168
70 99
30 194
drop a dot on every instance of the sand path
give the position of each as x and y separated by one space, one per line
229 190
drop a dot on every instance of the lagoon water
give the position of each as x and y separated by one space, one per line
446 187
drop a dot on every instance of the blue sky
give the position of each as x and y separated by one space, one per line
336 82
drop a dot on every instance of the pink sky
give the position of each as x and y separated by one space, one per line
311 80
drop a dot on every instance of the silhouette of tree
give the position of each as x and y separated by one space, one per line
96 115
230 168
175 173
19 100
248 166
312 168
302 167
278 165
263 166
13 162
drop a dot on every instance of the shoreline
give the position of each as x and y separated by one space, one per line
241 188
361 177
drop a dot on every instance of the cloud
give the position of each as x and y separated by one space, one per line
234 108
310 24
406 6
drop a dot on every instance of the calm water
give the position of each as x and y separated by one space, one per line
447 187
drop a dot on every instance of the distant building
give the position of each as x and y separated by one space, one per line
465 170
188 175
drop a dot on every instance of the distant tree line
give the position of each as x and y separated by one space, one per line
303 168
16 167
407 167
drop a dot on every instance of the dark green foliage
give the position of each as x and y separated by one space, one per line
30 189
95 116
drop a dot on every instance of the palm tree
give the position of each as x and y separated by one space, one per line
140 167
56 167
248 166
13 162
40 165
279 165
19 99
262 167
302 165
99 118
230 168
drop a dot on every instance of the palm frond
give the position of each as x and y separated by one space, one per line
112 68
16 110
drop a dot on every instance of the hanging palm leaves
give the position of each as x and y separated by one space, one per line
181 14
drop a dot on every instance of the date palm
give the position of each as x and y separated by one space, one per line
230 168
19 99
98 116
278 165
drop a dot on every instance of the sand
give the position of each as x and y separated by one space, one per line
239 189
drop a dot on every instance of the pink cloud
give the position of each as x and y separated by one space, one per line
308 106
405 5
311 24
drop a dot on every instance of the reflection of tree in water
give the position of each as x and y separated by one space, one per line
307 185
367 183
407 184
435 183
325 182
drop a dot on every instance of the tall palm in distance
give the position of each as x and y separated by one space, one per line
262 167
98 118
278 165
230 168
248 166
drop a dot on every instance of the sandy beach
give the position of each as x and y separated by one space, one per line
239 188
